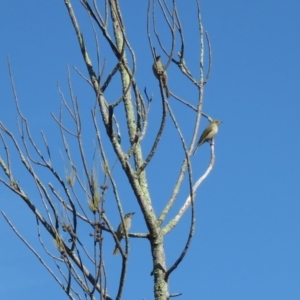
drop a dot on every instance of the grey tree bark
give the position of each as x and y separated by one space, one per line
135 106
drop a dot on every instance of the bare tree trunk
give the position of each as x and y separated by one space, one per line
73 254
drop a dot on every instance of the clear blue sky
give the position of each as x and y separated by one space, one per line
247 239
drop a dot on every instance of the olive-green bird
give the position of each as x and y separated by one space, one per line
208 134
159 71
121 232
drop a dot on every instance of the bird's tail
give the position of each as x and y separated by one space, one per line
195 149
116 250
167 91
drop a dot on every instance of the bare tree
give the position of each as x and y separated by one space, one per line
77 201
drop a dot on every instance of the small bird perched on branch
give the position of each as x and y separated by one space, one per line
121 232
208 134
160 72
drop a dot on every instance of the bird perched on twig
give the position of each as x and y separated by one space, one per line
121 232
160 72
208 134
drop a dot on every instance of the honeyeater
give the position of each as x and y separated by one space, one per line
121 232
160 72
208 134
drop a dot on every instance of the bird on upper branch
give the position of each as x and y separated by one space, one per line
160 72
